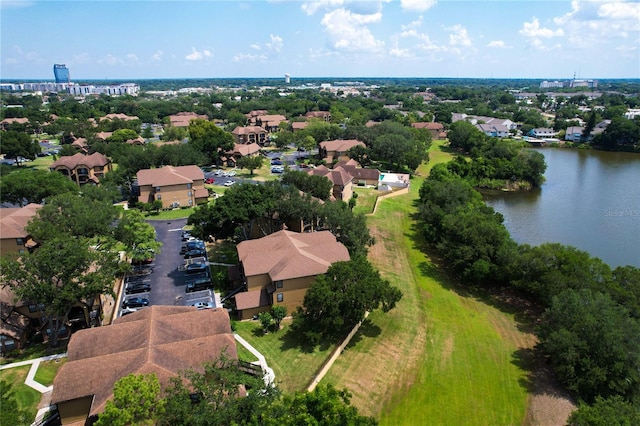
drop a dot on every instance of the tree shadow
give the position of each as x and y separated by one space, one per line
291 339
367 329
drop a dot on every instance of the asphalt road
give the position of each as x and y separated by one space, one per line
167 282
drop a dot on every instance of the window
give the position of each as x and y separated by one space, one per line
279 284
158 197
280 297
189 194
20 241
157 189
188 186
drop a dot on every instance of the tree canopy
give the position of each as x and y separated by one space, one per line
338 300
209 139
26 186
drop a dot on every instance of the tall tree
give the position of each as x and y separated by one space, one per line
251 162
209 139
33 186
136 401
137 235
593 345
338 300
64 271
18 144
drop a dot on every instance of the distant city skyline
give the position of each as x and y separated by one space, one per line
326 38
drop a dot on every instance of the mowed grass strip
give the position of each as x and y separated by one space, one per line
26 397
47 371
440 357
293 366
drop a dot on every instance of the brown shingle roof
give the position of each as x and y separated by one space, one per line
169 175
285 254
244 149
247 130
80 159
14 220
182 119
252 299
163 340
337 176
429 126
341 145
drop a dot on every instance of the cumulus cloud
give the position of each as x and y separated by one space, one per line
132 57
196 55
275 44
413 24
459 36
417 5
349 32
533 29
158 55
497 44
109 59
312 7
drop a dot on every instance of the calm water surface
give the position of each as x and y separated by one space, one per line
590 200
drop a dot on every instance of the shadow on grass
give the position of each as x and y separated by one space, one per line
367 329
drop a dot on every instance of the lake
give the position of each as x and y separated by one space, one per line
590 200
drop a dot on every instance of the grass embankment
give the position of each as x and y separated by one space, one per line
26 397
47 371
294 367
440 357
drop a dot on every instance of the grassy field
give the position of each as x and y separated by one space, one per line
293 366
441 357
26 397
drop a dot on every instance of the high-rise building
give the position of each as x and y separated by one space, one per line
61 73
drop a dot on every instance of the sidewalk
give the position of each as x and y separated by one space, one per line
30 381
269 376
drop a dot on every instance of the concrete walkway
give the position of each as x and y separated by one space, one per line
269 376
334 356
30 381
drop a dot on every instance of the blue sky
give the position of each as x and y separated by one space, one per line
326 38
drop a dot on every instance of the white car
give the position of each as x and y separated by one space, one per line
229 183
204 305
231 173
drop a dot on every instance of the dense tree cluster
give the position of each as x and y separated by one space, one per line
338 300
590 330
248 210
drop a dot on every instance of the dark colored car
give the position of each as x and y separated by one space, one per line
192 245
199 284
195 253
186 235
137 287
135 302
196 268
276 163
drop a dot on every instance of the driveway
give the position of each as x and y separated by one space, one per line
167 282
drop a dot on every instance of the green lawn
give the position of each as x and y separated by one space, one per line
47 371
293 366
366 199
441 357
26 397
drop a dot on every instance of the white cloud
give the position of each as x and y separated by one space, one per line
459 36
497 43
15 4
417 5
532 29
158 55
312 7
413 24
275 44
132 57
349 32
197 56
255 46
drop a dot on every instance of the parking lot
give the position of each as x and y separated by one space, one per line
167 281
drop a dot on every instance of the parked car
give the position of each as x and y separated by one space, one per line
192 245
231 173
198 284
229 183
135 279
276 163
127 311
277 169
209 180
195 253
135 302
137 287
195 268
204 305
